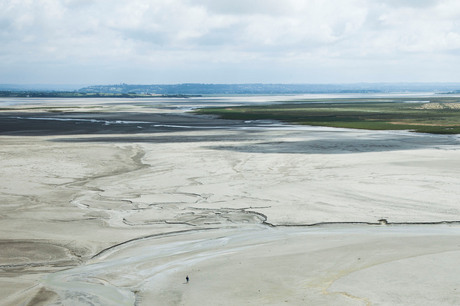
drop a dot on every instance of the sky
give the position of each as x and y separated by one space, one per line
228 41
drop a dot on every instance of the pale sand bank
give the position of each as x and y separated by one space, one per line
341 265
67 196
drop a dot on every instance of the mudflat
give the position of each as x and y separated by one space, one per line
111 201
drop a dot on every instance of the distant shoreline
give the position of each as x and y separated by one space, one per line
198 89
66 94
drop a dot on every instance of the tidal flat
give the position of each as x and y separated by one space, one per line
116 201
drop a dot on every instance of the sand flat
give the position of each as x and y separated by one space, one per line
131 201
339 265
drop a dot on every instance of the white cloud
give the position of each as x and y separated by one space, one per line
185 36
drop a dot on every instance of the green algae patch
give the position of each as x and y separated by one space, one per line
441 116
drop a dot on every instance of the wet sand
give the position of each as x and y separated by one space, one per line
110 202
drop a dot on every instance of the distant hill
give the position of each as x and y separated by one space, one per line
197 89
210 89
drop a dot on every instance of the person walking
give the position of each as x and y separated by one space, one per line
187 279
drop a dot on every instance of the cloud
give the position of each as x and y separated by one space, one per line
408 3
227 35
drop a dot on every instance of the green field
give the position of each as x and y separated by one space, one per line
439 116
